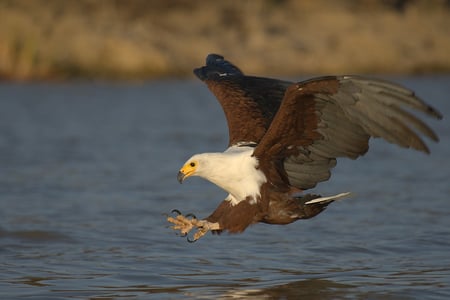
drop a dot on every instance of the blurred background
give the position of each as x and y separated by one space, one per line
140 39
99 109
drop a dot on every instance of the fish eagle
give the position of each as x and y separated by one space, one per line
284 138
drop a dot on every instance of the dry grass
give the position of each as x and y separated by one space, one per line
139 39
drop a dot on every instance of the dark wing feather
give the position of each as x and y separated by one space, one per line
250 103
329 117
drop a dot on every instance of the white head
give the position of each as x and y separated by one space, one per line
197 165
235 171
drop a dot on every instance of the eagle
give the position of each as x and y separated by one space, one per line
285 137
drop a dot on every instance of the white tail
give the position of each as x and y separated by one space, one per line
329 198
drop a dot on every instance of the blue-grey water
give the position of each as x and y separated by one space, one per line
87 171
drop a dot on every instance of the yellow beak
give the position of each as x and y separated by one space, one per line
186 171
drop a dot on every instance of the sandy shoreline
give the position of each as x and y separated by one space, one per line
41 40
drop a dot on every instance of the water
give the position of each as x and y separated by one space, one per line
88 169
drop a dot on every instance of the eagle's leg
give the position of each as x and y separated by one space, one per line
186 223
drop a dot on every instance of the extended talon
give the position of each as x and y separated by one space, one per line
186 223
191 215
181 223
201 231
191 241
176 211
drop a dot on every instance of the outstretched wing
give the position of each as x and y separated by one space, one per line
250 103
329 117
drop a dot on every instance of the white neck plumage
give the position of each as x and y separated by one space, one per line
235 171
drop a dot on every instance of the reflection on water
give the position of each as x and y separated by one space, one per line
34 235
310 288
88 170
304 289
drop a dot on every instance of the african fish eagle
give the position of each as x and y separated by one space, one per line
284 138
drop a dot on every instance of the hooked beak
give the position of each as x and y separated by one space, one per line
187 170
181 176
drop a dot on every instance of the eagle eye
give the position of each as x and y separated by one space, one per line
192 164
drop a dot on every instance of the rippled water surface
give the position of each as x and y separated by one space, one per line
87 171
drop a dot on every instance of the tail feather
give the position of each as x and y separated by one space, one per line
311 205
329 199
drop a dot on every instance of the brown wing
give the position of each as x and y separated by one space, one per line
329 117
250 103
